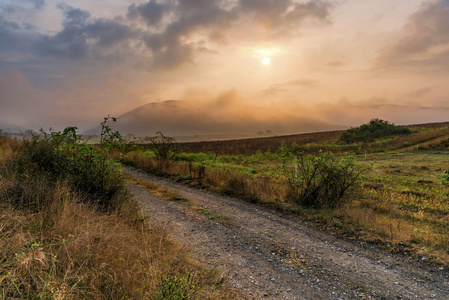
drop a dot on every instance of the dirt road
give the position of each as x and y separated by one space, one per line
266 255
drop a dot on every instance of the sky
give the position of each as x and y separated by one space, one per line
340 62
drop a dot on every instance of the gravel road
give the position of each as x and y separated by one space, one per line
267 255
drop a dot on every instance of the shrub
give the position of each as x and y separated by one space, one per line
375 129
59 155
164 147
320 181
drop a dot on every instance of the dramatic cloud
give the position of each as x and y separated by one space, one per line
151 12
282 62
16 38
82 36
176 46
425 46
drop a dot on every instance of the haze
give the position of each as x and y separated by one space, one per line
241 62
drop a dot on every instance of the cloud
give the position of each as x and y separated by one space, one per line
279 13
425 44
38 4
174 34
16 42
9 35
151 12
173 46
318 10
277 88
83 36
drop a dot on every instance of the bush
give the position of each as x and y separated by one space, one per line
320 181
375 129
164 147
59 155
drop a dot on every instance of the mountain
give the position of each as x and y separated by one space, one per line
181 118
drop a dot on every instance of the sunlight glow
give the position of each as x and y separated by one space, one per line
266 61
267 52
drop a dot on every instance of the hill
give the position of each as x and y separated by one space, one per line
10 128
181 118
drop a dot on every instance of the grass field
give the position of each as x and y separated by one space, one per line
399 201
69 230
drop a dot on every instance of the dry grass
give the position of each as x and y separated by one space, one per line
260 189
400 203
64 248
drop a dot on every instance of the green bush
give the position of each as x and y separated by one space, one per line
375 129
60 155
319 181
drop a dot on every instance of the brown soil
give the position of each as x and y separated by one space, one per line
267 255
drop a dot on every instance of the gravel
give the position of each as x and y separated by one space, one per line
267 255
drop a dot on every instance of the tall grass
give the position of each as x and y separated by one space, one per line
253 187
57 244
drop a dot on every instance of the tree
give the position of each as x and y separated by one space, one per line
376 128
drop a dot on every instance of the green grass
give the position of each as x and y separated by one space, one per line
410 208
400 203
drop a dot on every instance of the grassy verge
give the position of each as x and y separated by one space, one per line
57 242
399 204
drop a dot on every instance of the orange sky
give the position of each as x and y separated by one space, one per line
337 62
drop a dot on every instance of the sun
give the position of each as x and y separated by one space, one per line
266 61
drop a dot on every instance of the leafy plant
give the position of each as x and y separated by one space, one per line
319 181
88 168
178 287
109 138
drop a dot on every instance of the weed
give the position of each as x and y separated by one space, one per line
178 287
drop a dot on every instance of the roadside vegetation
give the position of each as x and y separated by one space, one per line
393 195
70 230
